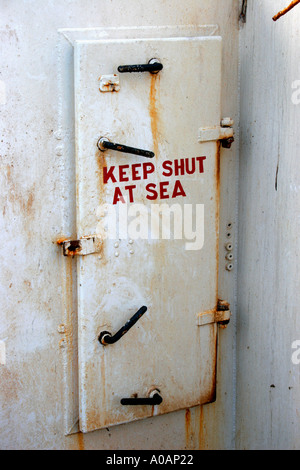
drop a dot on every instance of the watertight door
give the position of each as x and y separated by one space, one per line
157 218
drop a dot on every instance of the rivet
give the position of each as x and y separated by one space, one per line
130 242
131 252
62 343
117 254
116 245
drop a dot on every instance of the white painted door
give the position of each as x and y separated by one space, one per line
168 263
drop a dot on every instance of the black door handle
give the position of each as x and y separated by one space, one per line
154 398
106 337
104 144
153 66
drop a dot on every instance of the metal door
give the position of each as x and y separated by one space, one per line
166 257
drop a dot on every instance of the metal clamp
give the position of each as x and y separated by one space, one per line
106 337
154 398
104 144
153 66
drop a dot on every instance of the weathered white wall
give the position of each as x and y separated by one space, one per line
268 385
37 206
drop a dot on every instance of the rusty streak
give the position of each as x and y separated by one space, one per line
286 10
153 111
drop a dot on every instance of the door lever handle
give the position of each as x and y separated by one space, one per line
106 337
154 398
153 66
104 144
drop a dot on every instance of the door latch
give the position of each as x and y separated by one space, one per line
104 144
153 66
106 337
154 398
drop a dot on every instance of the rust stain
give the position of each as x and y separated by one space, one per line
80 441
153 111
187 421
27 283
94 416
201 437
10 385
101 163
24 200
190 430
187 426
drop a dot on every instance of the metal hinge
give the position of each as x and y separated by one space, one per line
224 132
220 315
82 247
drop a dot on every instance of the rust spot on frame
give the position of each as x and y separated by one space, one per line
61 240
